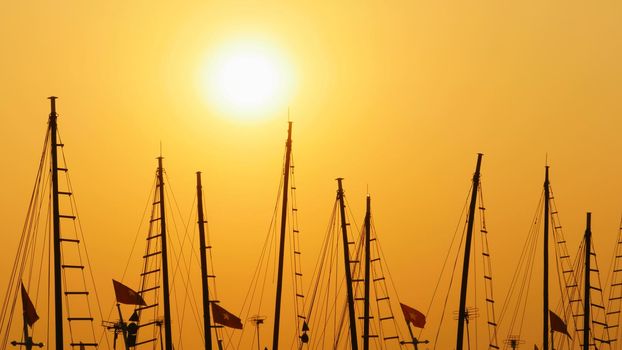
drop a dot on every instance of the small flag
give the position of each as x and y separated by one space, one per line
416 318
125 295
30 314
557 324
225 318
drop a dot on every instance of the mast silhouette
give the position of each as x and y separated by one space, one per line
346 256
367 273
166 292
586 302
58 292
545 305
467 254
279 284
207 327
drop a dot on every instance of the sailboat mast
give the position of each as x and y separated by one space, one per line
166 292
279 284
586 301
367 273
207 327
467 255
58 292
346 256
545 282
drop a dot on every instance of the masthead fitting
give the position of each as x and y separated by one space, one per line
52 105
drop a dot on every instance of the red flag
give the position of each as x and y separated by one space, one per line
225 318
413 316
125 295
557 324
30 314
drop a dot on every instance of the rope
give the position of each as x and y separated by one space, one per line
453 240
10 298
263 260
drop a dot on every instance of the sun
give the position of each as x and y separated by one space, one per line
247 80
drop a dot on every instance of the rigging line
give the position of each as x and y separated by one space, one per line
329 254
194 303
533 230
25 248
188 297
451 280
487 266
258 268
526 284
317 272
12 281
80 230
177 257
49 271
392 282
615 266
474 281
609 275
599 298
383 288
44 249
280 190
293 266
30 234
148 204
527 279
453 240
580 271
573 274
335 256
272 225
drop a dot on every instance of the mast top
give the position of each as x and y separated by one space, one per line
546 175
589 219
546 160
479 163
289 132
52 105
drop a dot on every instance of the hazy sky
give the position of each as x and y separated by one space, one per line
397 97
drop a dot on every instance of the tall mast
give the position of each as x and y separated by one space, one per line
166 293
467 255
586 302
545 282
58 292
346 256
207 326
279 284
367 273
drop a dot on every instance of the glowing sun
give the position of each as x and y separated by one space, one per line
248 80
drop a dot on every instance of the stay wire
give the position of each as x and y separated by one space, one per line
451 280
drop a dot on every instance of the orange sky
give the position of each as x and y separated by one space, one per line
398 97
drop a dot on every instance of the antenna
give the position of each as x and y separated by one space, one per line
546 159
288 118
514 341
257 320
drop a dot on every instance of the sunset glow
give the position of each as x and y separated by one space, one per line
247 80
396 98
